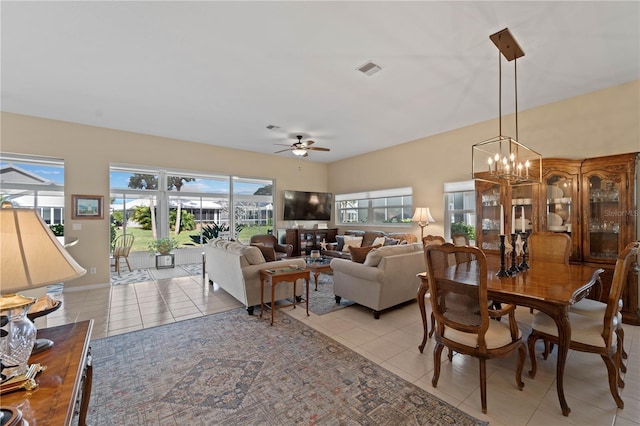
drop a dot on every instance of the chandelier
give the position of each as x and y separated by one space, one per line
502 159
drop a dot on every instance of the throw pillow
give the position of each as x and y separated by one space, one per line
390 241
351 242
340 241
268 252
378 241
359 254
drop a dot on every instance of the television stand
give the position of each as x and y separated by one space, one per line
305 240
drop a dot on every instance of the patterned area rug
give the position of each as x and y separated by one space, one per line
234 369
151 274
323 301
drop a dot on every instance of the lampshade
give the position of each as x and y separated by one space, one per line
422 214
299 152
31 256
502 159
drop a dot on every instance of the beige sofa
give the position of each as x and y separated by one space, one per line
387 277
235 267
368 237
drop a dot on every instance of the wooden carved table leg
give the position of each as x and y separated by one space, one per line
422 291
564 339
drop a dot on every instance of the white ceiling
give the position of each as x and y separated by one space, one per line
219 72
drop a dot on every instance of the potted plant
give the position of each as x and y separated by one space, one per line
162 245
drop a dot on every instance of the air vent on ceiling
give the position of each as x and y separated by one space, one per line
272 127
369 68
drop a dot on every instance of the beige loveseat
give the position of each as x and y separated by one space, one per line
235 267
385 279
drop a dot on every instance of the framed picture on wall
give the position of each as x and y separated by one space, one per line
87 207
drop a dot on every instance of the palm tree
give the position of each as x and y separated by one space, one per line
177 183
143 181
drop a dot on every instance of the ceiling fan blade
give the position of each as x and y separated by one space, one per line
308 143
283 144
284 150
317 148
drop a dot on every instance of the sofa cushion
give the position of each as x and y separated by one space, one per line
268 252
374 256
379 241
359 254
390 241
351 242
253 255
340 242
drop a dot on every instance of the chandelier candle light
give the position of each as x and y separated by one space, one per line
502 159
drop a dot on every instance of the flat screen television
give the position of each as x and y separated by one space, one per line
300 205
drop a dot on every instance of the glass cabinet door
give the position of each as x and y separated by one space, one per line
603 196
489 200
523 202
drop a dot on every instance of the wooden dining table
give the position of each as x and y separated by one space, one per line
547 287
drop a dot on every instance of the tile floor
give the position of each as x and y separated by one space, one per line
393 343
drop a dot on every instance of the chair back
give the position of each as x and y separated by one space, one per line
549 247
460 239
459 292
122 245
268 240
430 240
625 258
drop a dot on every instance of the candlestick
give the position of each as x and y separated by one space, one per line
524 265
522 219
513 270
513 219
502 272
501 220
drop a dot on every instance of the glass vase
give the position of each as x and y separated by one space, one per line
17 337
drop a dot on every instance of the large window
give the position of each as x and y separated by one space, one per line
460 209
389 207
187 206
34 182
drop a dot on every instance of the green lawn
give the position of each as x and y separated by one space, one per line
143 237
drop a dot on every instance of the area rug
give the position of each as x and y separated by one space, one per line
235 369
323 301
151 274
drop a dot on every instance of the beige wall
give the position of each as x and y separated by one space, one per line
601 123
88 152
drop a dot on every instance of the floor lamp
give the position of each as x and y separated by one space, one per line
423 216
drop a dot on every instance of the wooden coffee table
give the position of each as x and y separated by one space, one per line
318 267
275 276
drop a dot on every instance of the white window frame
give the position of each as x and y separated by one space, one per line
457 187
369 197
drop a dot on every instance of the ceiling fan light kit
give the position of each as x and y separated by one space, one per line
300 149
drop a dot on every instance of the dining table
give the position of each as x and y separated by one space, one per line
548 287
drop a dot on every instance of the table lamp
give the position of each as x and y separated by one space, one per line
30 257
423 216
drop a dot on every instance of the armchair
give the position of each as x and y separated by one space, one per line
282 250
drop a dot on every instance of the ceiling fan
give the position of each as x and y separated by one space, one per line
300 148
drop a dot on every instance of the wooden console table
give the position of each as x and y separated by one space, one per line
64 387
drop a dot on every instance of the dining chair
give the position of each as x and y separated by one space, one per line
427 241
593 333
460 304
551 247
121 248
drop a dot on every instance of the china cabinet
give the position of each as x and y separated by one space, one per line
593 200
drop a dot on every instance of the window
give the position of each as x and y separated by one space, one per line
390 207
153 203
34 182
460 209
